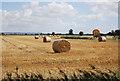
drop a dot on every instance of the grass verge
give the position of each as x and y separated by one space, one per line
80 75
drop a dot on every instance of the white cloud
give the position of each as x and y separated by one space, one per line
54 10
36 18
59 17
102 11
27 13
100 0
107 9
0 20
61 0
31 5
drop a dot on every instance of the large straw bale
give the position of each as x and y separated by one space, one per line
61 46
96 32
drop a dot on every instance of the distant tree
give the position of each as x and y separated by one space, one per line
102 34
40 33
81 33
53 33
113 32
25 33
109 33
117 32
48 33
3 33
36 34
70 32
58 34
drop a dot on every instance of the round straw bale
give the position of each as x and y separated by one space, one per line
36 37
58 35
50 35
61 46
96 32
46 39
102 39
43 36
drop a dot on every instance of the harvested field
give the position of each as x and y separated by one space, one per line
35 56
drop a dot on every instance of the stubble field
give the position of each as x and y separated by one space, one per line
32 55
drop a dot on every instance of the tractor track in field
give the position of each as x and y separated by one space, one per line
6 40
22 46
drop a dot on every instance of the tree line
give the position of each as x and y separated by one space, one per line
112 33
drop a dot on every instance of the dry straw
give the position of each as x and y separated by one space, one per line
46 39
96 32
61 46
102 39
36 37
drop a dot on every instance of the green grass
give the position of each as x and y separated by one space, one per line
114 39
81 75
76 37
88 38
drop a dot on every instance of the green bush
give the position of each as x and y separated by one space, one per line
75 37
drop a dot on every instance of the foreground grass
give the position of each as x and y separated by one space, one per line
81 75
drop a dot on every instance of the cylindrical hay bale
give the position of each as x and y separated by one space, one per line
36 37
43 36
61 46
102 39
58 36
50 35
46 39
96 32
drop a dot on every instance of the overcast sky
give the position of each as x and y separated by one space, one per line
59 16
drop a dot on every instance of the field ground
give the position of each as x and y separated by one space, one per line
32 55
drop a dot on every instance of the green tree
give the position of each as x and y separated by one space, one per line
81 33
70 32
53 33
117 32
